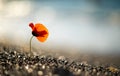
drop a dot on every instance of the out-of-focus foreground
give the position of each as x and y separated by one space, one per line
15 61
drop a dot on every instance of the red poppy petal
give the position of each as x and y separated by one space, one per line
43 32
42 39
31 25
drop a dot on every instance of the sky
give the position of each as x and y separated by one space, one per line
92 25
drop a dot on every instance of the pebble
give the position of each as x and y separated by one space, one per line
30 70
40 73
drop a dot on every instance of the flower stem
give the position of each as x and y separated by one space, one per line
30 44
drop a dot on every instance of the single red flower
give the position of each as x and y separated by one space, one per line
39 31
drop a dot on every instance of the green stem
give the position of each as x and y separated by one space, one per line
30 44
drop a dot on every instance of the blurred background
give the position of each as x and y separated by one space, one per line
91 26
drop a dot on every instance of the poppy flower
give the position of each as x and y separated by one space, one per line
39 31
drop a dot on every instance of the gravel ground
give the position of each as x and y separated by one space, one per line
15 63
